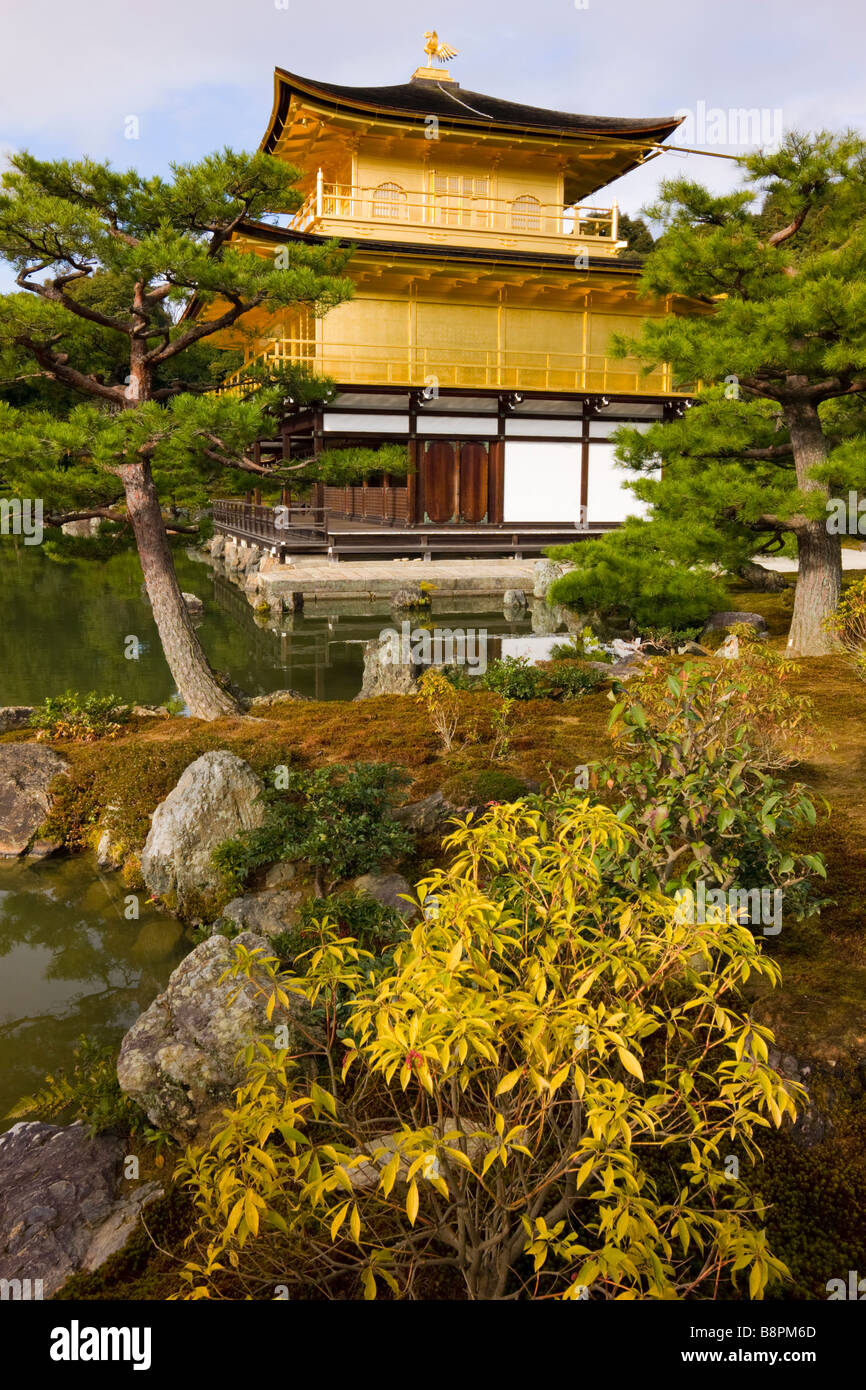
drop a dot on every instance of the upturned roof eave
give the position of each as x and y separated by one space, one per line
559 125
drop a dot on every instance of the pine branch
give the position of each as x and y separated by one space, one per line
54 296
204 329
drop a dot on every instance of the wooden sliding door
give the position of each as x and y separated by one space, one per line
454 481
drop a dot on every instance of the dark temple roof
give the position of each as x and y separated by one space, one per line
423 97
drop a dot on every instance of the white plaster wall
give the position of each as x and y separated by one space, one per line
607 497
542 481
345 422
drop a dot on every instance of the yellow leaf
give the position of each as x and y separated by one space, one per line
630 1062
557 1079
389 1175
454 956
338 1220
235 1215
412 1203
508 1082
585 1171
355 1223
251 1213
489 1158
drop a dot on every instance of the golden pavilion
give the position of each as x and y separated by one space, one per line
488 286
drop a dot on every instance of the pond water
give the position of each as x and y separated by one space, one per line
71 964
65 628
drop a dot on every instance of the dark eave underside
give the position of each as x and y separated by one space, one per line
461 108
423 251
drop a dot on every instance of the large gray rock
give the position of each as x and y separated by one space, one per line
514 600
544 573
269 913
14 717
385 675
720 621
428 816
276 697
26 772
280 875
179 1061
64 1205
241 559
546 618
410 598
693 649
390 890
215 799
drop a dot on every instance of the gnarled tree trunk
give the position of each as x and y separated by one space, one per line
186 659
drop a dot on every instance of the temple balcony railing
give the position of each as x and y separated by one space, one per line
406 364
392 213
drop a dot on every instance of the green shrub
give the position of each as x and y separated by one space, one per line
515 679
83 718
337 819
569 680
693 788
848 625
375 926
622 575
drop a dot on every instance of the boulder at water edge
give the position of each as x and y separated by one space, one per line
215 799
268 913
26 772
544 573
385 671
14 717
179 1060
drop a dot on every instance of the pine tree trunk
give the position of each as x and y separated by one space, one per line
819 584
186 659
819 581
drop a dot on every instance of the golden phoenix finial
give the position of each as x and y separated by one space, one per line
436 51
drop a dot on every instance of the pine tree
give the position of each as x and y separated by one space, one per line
122 282
777 336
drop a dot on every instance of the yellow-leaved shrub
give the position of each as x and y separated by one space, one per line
553 1091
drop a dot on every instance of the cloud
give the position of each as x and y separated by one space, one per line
198 74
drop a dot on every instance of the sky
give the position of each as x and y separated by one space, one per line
198 74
